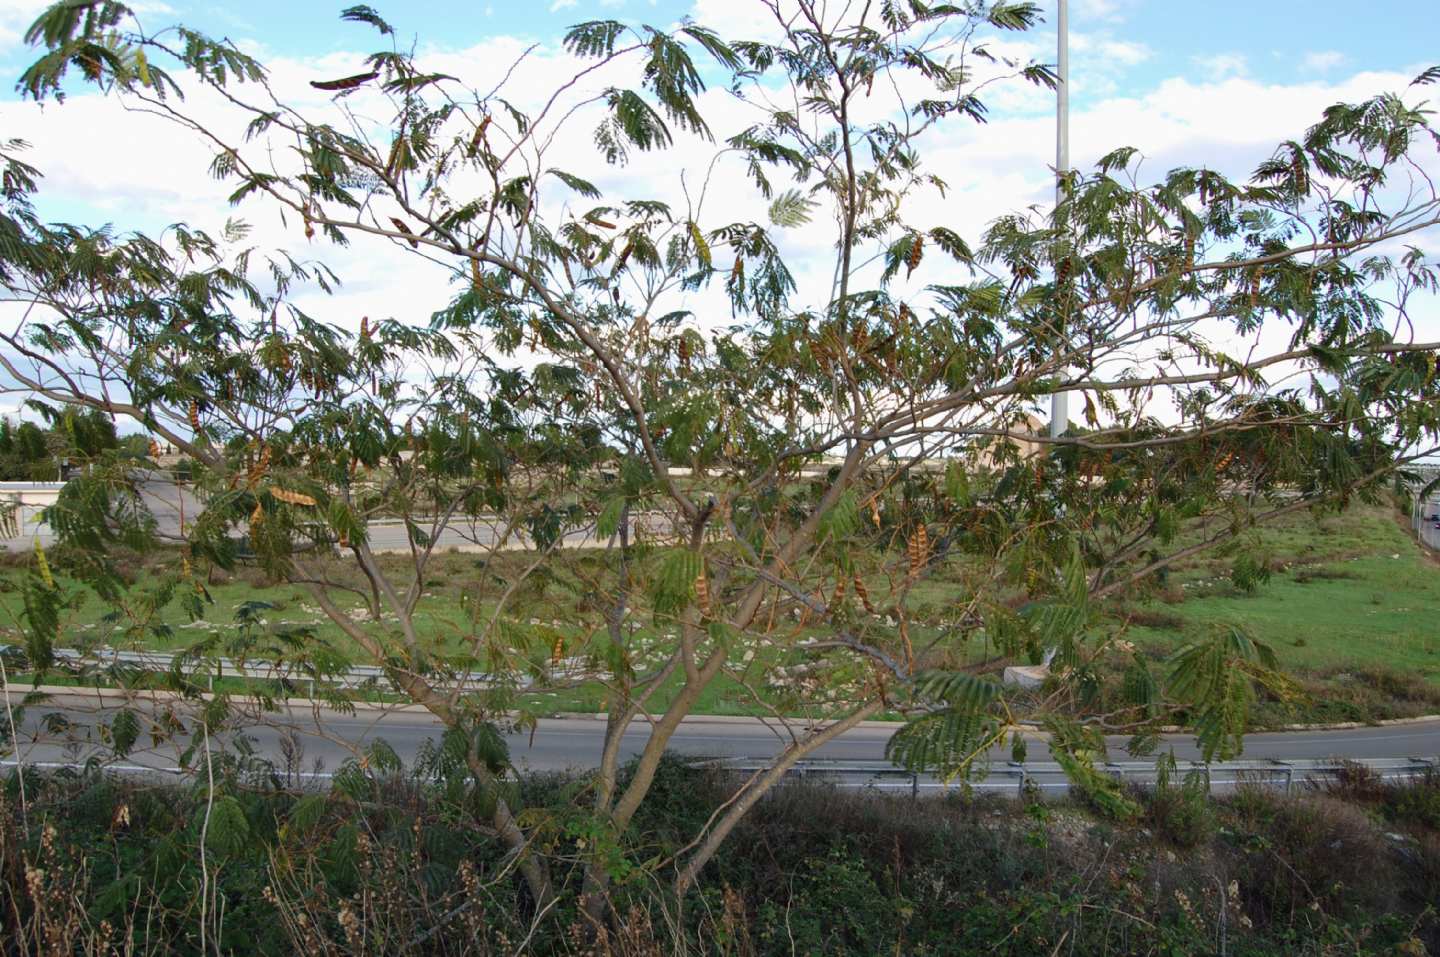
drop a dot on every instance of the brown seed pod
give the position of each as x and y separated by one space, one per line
364 327
917 251
479 136
257 516
839 595
919 549
258 470
292 498
737 271
345 83
195 416
400 225
702 593
863 593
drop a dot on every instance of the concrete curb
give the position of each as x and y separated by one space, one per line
1035 730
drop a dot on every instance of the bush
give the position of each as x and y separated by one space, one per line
1181 815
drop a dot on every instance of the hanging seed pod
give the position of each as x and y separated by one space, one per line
1189 251
624 256
154 449
702 593
475 276
292 498
864 594
1254 289
839 594
42 565
557 650
195 416
257 471
860 338
1062 271
258 515
682 348
364 327
1297 172
400 225
918 549
917 252
904 318
479 136
185 569
737 271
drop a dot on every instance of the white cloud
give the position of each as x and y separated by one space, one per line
1323 61
562 5
16 17
154 171
1109 51
1221 65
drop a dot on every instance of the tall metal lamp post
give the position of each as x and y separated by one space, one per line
1059 407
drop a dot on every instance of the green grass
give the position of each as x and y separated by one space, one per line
1352 608
1352 590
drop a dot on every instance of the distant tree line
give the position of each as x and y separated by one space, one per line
69 436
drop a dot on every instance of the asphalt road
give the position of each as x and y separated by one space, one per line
326 738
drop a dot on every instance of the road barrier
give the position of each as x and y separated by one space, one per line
1010 779
1041 777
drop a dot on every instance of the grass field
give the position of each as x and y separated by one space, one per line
1352 609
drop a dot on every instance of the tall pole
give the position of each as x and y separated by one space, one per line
1059 407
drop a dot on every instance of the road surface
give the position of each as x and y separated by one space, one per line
327 738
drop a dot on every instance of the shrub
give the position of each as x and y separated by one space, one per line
1182 815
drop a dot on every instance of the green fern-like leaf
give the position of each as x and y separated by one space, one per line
791 208
229 829
674 582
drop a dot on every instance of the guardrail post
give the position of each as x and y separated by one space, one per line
914 785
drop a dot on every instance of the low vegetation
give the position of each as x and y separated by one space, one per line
390 863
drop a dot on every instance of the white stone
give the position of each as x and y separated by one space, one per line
1026 676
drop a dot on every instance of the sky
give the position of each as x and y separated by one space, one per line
1216 84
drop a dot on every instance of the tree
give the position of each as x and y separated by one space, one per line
775 486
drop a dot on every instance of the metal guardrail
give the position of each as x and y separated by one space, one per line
1019 779
1044 776
356 676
